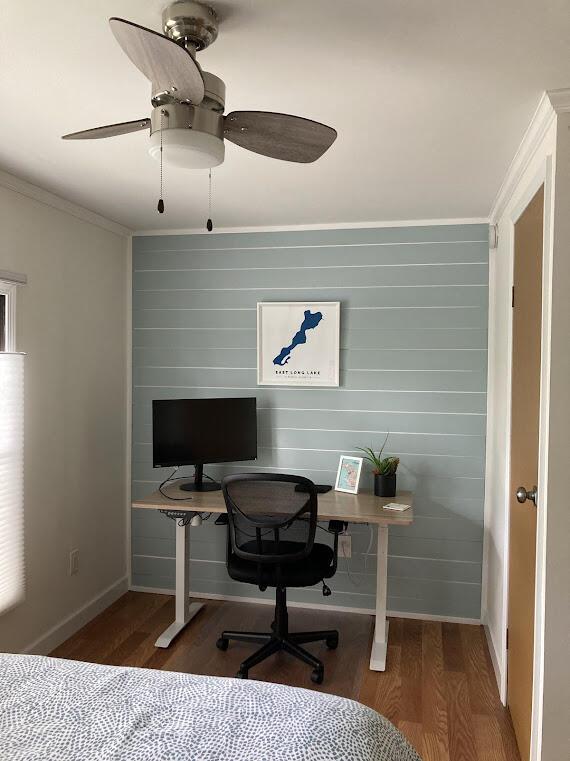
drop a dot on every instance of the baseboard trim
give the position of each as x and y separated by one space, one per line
435 617
66 628
312 606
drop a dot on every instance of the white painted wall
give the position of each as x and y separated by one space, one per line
544 157
556 665
527 173
71 322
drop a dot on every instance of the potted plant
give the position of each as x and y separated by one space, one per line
384 469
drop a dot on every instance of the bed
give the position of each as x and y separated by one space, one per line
61 710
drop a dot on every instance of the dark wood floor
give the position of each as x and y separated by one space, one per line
438 688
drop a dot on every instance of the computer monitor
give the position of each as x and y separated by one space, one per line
200 431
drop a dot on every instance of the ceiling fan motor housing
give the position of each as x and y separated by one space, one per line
192 136
195 25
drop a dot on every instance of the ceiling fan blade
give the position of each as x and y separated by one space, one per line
165 63
280 136
109 130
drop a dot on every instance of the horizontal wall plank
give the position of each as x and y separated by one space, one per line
147 479
415 403
410 360
349 236
304 279
346 441
432 466
374 255
405 318
417 297
430 593
361 426
360 380
218 338
400 443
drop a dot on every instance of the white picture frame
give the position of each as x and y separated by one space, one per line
348 474
298 343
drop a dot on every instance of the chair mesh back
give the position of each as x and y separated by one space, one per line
270 521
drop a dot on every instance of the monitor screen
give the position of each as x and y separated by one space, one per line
199 431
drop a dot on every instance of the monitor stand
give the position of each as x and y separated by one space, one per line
198 483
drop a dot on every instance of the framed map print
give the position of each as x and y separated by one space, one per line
298 343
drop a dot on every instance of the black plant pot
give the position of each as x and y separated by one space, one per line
384 486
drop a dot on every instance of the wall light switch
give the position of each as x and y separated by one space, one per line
73 562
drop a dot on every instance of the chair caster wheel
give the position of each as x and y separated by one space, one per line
222 644
317 676
241 674
332 642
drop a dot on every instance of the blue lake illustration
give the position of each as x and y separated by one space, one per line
309 323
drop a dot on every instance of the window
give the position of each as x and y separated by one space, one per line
11 479
7 316
11 453
2 322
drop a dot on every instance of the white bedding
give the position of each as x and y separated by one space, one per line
59 710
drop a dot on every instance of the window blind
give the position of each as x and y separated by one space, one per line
11 479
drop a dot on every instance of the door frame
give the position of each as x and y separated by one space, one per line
538 171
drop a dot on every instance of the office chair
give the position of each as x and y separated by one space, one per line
272 519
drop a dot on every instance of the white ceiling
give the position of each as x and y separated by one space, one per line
430 100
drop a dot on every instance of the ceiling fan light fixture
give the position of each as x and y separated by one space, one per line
187 148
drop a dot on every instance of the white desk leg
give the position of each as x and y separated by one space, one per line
380 642
184 611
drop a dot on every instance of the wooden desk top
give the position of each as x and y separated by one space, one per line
334 505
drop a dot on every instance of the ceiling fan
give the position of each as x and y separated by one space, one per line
187 116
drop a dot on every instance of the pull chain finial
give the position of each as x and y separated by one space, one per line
209 223
160 206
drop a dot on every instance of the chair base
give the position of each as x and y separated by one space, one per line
281 639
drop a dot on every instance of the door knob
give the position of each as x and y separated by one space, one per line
523 494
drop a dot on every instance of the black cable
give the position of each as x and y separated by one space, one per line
167 480
326 529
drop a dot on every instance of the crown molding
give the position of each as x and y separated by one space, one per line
323 226
560 100
542 120
24 188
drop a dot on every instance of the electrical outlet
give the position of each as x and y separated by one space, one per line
345 545
73 562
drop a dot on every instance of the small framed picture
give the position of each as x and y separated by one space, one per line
348 475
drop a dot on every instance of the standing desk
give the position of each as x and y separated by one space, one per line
334 505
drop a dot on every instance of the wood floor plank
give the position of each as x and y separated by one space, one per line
411 672
452 648
488 739
413 732
107 631
507 731
482 692
459 718
436 674
435 744
382 690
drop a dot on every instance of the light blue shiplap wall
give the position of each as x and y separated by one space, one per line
413 361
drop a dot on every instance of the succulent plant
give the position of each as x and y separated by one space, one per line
383 466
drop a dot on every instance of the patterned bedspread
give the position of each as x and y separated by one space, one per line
58 710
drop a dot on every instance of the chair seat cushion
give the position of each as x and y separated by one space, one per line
302 573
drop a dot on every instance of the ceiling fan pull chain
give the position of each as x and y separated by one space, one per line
160 206
209 224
